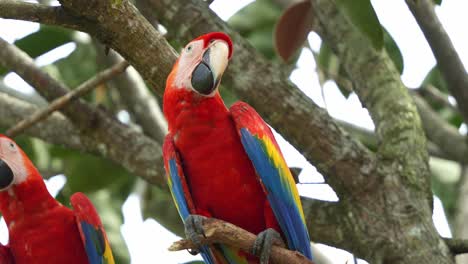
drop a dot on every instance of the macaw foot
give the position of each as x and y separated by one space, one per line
264 242
194 231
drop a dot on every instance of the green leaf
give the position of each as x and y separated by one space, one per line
438 2
42 41
255 22
88 173
434 77
393 51
78 67
327 60
363 16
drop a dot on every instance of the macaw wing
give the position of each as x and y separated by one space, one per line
275 176
179 188
92 232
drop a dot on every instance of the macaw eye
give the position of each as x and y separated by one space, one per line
189 48
6 175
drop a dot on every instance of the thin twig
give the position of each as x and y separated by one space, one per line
60 102
448 61
141 155
433 93
218 231
457 246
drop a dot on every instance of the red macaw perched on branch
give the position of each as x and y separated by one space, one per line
225 163
41 230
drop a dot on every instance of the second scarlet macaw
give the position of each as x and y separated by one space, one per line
41 230
225 163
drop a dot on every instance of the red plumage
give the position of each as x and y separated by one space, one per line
41 230
221 179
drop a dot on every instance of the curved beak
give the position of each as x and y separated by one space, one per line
6 175
218 55
207 74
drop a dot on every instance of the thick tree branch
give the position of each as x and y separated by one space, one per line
118 142
447 58
267 88
56 129
378 85
52 15
218 231
319 138
60 102
404 195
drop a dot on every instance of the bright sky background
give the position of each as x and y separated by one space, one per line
147 240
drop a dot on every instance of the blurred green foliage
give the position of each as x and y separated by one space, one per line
108 184
362 15
255 22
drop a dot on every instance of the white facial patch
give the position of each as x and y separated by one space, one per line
11 155
190 56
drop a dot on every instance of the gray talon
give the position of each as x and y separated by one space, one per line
264 242
194 231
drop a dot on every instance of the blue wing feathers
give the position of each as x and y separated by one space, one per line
177 190
94 243
279 194
180 195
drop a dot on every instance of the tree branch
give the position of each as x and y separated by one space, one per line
137 98
378 85
60 102
263 84
457 246
218 231
447 58
125 30
445 136
56 129
52 15
432 93
34 99
118 142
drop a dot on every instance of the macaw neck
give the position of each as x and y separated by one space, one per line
27 198
184 108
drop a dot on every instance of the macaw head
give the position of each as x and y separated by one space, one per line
201 64
15 166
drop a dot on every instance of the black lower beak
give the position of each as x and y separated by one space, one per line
6 175
202 76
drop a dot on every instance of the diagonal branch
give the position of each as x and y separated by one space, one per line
52 15
134 94
448 61
60 102
378 85
267 88
56 129
320 139
218 231
445 136
140 155
457 246
430 92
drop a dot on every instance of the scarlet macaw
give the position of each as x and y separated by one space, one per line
225 163
41 230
